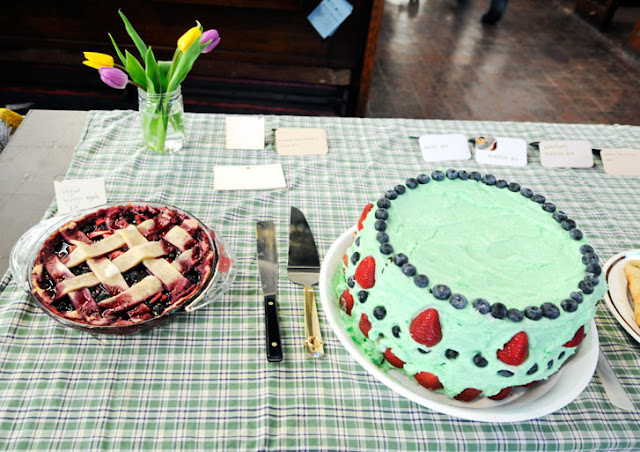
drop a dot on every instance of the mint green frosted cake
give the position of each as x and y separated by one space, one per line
471 285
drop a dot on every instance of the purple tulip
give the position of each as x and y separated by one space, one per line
210 35
114 77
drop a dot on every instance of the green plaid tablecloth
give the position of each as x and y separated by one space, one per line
203 381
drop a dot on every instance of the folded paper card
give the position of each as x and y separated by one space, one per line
328 16
621 162
301 141
245 132
566 154
248 177
501 151
443 147
75 194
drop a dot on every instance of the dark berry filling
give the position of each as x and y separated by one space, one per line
62 250
99 293
80 269
135 275
63 305
193 276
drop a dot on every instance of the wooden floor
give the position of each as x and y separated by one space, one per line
540 63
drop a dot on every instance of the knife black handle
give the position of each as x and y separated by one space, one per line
272 329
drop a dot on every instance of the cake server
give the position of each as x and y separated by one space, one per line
268 268
304 268
612 386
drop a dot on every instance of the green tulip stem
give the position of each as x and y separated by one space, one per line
131 82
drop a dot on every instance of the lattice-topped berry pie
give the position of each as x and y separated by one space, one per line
123 265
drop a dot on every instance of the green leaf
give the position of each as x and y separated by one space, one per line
120 55
140 45
185 64
135 70
177 56
164 67
153 73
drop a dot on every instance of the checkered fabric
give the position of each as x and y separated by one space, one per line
202 381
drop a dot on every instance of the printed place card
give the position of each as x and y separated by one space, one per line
301 141
443 147
621 162
328 16
245 132
566 154
248 177
77 194
502 151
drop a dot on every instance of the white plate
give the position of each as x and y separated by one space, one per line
559 390
618 299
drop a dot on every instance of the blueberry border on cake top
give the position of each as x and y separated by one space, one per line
497 310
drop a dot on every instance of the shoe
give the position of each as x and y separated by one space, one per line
491 17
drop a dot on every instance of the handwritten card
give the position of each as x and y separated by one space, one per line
621 162
506 152
301 142
248 177
77 194
439 148
566 154
245 132
328 16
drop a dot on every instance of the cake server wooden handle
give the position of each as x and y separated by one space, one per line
313 345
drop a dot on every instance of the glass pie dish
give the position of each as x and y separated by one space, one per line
122 268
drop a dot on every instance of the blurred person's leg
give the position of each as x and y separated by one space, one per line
496 10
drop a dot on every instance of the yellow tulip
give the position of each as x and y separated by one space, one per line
97 60
187 39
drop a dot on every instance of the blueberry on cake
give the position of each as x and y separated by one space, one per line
470 284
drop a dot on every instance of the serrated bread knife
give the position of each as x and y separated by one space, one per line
304 268
268 268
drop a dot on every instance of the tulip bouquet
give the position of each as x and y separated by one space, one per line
158 82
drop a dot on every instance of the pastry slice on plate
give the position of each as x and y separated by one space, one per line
632 272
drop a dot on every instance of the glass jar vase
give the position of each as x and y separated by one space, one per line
162 120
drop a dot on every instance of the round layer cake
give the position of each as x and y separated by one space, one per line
470 284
